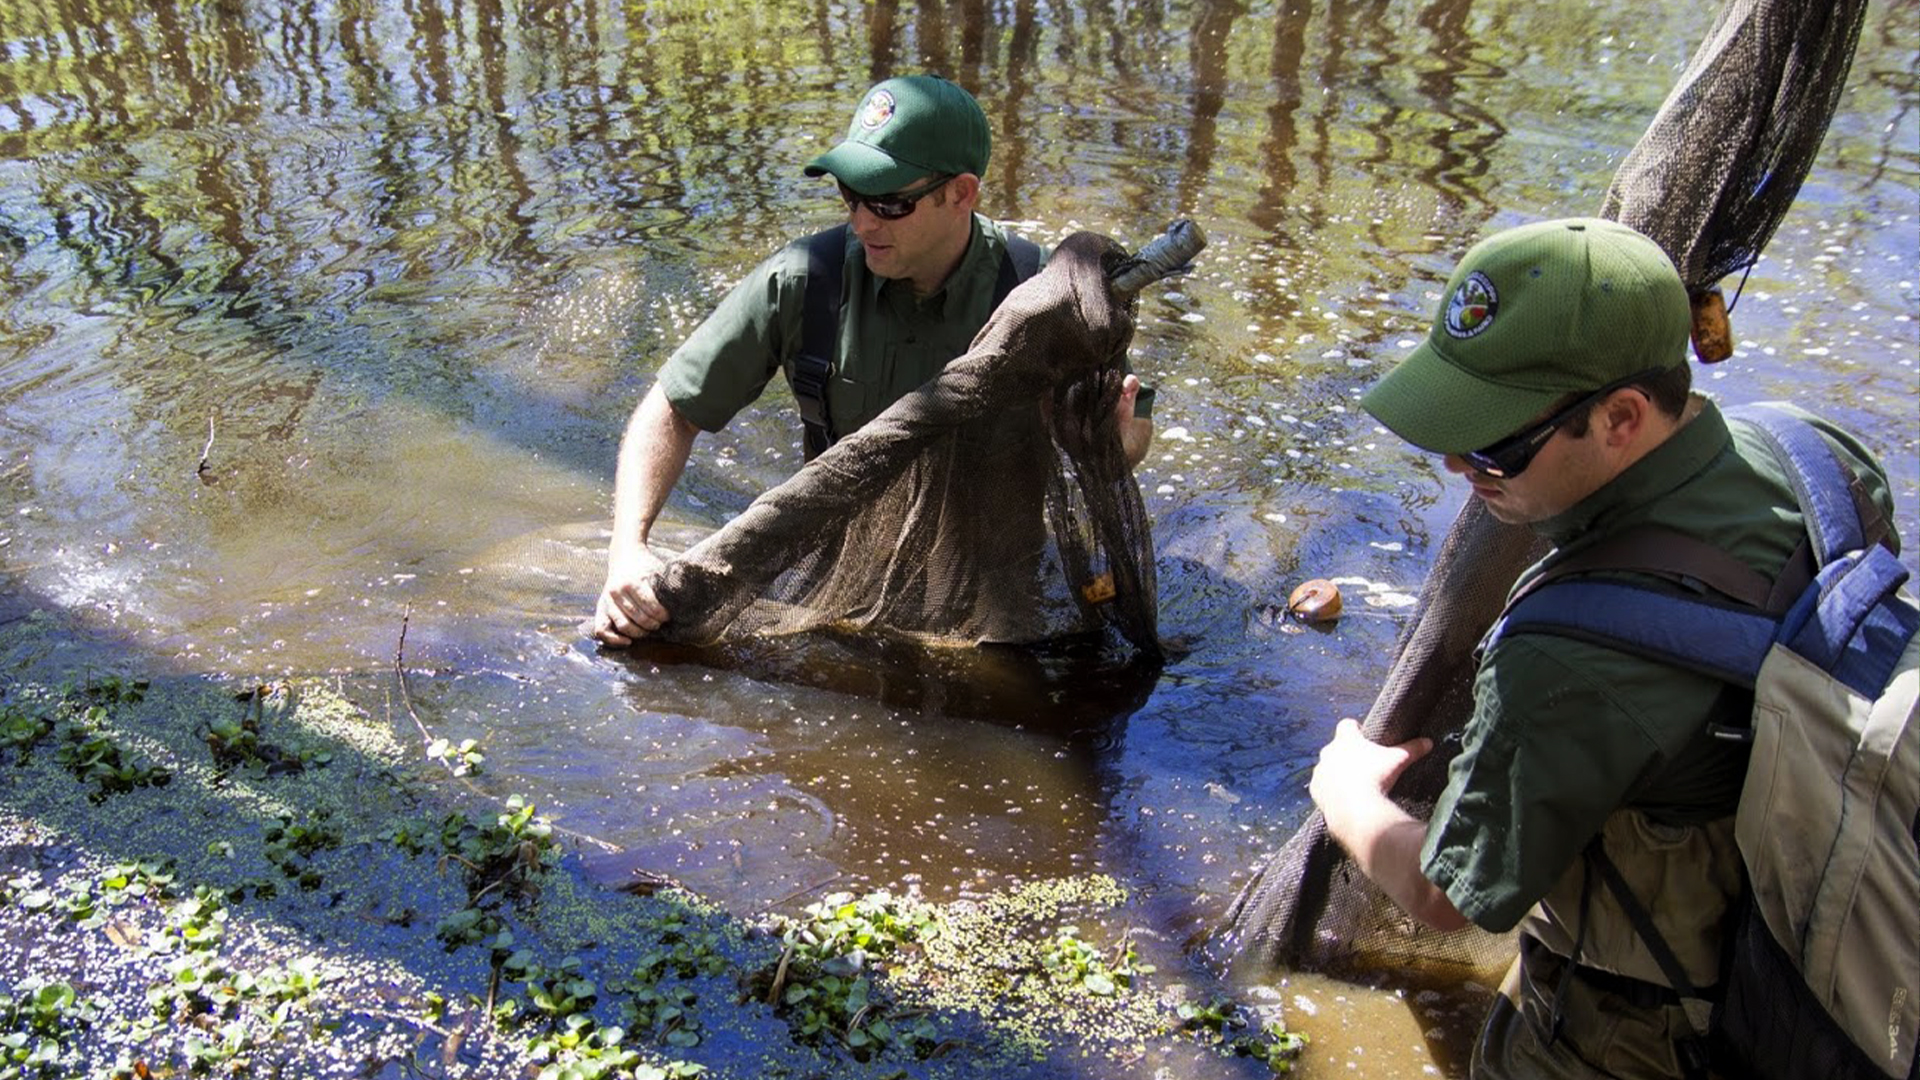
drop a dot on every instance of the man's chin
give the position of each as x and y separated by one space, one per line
1497 505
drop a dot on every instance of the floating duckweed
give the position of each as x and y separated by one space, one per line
200 964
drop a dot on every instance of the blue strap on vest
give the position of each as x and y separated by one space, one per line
1849 621
811 371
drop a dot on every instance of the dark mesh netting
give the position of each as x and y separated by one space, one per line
994 503
1727 152
1709 181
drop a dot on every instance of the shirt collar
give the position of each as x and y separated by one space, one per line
1666 467
970 267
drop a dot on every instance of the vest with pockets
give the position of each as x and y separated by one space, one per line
1822 963
811 370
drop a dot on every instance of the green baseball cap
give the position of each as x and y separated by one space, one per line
907 128
1531 315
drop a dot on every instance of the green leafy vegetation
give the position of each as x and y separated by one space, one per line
92 752
1071 960
238 744
37 1019
850 978
505 857
291 845
1275 1045
1272 1044
21 730
824 982
462 758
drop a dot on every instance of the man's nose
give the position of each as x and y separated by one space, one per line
862 220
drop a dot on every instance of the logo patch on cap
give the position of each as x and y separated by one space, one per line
877 111
1471 308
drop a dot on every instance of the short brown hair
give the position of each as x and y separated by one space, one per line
1667 389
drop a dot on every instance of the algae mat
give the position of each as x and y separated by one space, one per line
199 877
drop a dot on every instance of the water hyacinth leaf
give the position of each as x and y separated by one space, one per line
845 965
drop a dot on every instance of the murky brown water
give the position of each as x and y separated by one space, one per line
397 270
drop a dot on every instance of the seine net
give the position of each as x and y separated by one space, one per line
993 504
1709 181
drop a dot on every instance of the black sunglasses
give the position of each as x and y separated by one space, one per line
891 207
1510 456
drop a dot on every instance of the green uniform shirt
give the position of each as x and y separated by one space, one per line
890 342
1565 732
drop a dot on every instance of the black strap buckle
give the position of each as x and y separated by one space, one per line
809 381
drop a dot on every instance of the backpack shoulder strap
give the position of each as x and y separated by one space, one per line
1020 261
1695 1059
1840 516
1725 641
1691 563
819 337
812 369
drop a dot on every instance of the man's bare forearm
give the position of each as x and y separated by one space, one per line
1385 843
653 454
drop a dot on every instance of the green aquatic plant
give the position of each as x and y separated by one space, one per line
233 742
113 690
1275 1045
21 730
665 1011
197 924
1215 1016
583 1050
37 1018
823 982
683 946
468 926
291 845
240 744
224 1051
139 880
462 758
94 757
411 836
1070 960
24 888
506 856
90 903
556 992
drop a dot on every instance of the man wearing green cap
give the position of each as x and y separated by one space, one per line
1555 381
921 273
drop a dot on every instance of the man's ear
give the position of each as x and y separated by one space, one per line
1624 416
964 191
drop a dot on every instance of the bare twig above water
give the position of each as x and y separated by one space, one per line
406 702
400 674
206 454
815 887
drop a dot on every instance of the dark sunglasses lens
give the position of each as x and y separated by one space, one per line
889 207
1500 462
885 207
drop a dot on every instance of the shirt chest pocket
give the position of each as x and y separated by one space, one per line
865 384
